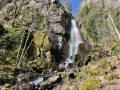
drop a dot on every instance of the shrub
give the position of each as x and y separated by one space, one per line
84 10
11 40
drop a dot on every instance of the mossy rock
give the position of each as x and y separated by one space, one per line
94 76
7 85
115 76
108 78
105 65
90 84
91 71
101 72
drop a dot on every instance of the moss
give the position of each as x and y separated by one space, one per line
6 68
112 83
7 85
19 80
90 84
94 76
66 85
108 78
115 47
101 72
105 65
91 71
115 76
40 35
84 31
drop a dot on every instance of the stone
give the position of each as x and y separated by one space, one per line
48 84
27 87
31 87
61 69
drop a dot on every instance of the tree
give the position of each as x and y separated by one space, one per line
67 5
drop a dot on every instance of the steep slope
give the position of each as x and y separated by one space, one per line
34 39
100 24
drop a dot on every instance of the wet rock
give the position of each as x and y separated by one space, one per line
50 83
27 87
87 60
70 66
82 47
31 87
61 69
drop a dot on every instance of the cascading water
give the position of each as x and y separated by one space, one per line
75 40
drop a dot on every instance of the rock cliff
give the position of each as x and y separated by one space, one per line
34 38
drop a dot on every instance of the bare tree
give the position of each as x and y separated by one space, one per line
67 5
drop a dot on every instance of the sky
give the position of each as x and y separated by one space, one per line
75 6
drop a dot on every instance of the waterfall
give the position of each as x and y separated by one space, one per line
75 40
38 80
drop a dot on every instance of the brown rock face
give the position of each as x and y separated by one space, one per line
58 25
58 31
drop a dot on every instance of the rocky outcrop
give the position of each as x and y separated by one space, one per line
58 30
58 25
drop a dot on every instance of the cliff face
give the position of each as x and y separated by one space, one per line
47 17
57 21
34 35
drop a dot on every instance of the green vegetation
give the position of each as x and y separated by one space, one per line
11 40
116 16
107 77
84 11
91 71
90 84
115 47
92 20
7 85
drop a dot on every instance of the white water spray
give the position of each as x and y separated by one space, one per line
75 40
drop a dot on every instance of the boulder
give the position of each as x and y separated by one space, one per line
49 84
27 87
61 69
